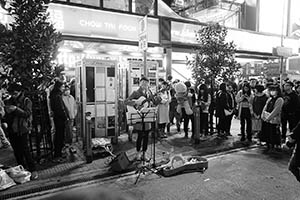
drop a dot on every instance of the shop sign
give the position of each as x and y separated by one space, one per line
282 51
186 33
143 39
3 17
76 21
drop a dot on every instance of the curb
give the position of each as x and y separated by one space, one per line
56 186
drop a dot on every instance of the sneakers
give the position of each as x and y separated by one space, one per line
145 158
72 150
138 155
58 160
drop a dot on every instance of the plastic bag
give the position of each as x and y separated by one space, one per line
256 124
19 174
5 180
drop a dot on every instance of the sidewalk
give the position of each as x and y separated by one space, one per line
76 170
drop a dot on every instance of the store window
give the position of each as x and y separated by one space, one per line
143 6
87 2
116 4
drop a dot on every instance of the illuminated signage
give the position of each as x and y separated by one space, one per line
3 17
244 40
78 21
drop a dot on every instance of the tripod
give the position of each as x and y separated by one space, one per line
150 114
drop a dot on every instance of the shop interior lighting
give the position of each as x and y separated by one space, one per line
156 55
64 50
90 51
136 54
114 53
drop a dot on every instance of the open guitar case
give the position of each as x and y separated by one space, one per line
199 164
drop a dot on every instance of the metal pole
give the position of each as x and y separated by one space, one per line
281 44
89 153
145 63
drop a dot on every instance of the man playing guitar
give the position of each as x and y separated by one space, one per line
140 99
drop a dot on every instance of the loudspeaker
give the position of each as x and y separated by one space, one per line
120 162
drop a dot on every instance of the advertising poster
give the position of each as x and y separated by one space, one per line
110 90
100 77
100 110
100 94
110 109
110 95
111 121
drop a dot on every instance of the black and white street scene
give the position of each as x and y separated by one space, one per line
150 99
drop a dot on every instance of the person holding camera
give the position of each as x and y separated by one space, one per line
245 110
18 111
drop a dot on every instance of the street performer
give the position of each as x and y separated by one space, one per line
144 93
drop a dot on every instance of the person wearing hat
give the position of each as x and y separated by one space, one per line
132 100
18 111
271 116
290 109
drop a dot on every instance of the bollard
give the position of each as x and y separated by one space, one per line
89 153
197 130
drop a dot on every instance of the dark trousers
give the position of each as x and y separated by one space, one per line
228 120
142 138
221 127
292 120
20 146
294 166
204 123
186 120
59 137
172 115
246 118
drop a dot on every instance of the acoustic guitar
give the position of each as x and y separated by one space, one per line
141 106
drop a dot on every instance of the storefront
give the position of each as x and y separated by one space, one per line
100 50
253 48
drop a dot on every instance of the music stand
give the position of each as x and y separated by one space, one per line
146 115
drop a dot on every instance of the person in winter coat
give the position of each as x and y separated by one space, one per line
222 104
60 117
294 139
271 116
232 106
71 108
204 100
259 102
143 135
173 112
290 109
4 143
18 111
245 110
163 110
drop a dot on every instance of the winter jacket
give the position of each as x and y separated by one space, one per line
273 116
57 106
244 102
19 121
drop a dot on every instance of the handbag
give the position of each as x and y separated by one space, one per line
256 125
228 112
